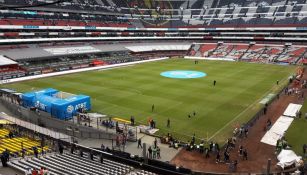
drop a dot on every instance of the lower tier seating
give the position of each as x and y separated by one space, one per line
72 164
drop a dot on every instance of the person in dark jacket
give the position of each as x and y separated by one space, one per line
150 152
140 143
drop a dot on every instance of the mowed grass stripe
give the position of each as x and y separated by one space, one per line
132 90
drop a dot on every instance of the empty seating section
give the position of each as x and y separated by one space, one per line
4 133
298 51
14 145
206 48
7 72
7 47
214 13
238 51
270 53
31 22
192 52
8 67
86 59
251 53
197 4
222 50
291 55
71 164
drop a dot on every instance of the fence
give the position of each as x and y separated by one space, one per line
38 129
45 120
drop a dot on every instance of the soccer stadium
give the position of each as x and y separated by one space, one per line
153 87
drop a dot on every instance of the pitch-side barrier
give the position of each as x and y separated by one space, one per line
78 70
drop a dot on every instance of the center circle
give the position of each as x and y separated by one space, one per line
183 74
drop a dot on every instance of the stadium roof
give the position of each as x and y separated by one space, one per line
5 61
142 48
44 52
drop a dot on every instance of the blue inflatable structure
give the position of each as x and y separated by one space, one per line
52 101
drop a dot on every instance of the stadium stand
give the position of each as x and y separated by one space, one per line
73 165
262 53
16 144
222 50
86 33
206 48
170 14
238 51
10 69
77 165
48 57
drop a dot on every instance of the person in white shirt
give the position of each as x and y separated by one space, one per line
29 171
46 172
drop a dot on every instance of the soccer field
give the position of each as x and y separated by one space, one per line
127 91
296 135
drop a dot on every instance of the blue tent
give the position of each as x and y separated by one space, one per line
29 98
62 108
66 108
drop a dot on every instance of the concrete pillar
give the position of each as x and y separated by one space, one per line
144 153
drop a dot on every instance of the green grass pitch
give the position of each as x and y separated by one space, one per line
127 91
296 135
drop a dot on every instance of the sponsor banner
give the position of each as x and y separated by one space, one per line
84 65
76 67
26 34
210 29
90 27
35 72
172 29
30 27
63 68
45 71
301 28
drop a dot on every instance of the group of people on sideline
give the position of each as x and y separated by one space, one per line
154 151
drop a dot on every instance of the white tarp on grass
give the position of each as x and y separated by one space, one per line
287 158
277 130
292 110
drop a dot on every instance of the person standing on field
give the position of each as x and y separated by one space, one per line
168 123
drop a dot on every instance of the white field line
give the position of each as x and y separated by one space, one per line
78 70
246 109
115 67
